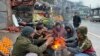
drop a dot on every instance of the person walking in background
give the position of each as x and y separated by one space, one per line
76 20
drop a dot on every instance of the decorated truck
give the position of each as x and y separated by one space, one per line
10 12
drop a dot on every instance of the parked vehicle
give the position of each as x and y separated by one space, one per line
95 15
95 19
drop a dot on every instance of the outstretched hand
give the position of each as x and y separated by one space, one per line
49 41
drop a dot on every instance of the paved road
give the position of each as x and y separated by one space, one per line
92 26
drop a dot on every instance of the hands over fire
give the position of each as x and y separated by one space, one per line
59 43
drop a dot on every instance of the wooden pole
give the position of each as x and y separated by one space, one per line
9 13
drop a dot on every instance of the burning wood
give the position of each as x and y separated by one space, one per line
58 43
60 48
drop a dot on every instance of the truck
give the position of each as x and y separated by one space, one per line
95 15
10 7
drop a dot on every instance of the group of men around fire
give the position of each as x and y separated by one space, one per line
38 41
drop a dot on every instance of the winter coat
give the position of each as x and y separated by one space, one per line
39 39
71 37
24 45
71 40
76 21
84 43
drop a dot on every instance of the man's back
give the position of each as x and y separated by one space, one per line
76 19
19 46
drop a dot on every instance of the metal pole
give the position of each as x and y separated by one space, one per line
55 53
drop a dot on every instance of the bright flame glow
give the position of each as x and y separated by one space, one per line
58 42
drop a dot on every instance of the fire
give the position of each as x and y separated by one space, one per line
58 42
5 45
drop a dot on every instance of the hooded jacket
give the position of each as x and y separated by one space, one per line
71 37
71 40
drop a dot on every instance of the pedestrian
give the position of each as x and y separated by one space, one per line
84 43
24 44
76 20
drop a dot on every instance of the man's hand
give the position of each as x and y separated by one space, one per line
48 35
49 41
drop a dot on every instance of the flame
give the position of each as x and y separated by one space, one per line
58 42
5 45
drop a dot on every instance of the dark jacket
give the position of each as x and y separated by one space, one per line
71 37
76 21
71 40
39 39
